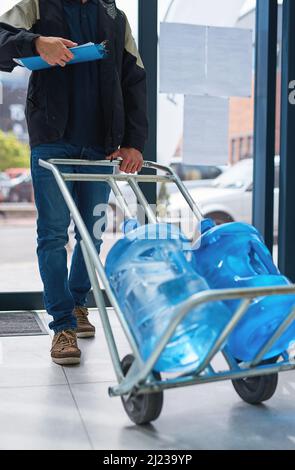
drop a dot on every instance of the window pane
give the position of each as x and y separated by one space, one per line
223 191
18 260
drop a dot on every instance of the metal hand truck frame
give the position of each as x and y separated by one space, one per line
140 388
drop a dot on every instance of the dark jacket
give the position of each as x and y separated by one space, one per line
123 78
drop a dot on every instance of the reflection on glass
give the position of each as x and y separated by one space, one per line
240 176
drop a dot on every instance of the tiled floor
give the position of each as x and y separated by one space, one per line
44 406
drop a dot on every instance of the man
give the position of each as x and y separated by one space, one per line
94 110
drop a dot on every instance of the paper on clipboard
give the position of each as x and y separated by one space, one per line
84 53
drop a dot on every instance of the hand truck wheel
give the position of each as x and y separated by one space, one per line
256 390
141 409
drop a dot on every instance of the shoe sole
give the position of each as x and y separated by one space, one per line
86 334
66 361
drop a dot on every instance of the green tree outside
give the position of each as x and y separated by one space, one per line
13 154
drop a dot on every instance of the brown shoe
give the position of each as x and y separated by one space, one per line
84 327
64 349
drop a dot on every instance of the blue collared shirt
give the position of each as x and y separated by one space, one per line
85 123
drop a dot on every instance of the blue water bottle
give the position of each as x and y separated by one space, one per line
234 255
150 275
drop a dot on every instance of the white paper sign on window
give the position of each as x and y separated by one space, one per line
182 58
229 62
201 60
206 128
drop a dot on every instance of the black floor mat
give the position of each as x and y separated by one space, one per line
21 324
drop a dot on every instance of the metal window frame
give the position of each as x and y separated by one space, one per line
287 163
265 117
148 48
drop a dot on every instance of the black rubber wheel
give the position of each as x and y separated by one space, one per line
256 390
142 409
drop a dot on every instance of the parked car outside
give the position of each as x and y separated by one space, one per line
196 172
3 176
193 176
16 172
18 189
227 199
21 189
5 182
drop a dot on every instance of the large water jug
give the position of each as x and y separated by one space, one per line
150 275
234 255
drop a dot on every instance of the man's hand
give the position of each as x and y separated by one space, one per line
54 50
132 159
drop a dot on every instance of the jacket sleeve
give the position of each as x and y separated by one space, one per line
16 36
134 94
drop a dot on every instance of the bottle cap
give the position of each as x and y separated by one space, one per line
205 225
129 225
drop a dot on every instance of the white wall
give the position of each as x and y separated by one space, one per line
130 7
206 12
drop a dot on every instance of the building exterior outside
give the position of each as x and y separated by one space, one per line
241 124
12 111
242 109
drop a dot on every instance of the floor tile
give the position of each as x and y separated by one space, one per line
44 406
25 361
40 418
96 364
205 417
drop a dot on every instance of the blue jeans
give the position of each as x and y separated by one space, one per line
62 292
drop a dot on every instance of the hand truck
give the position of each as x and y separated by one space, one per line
140 388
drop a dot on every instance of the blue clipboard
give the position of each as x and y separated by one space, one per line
85 53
